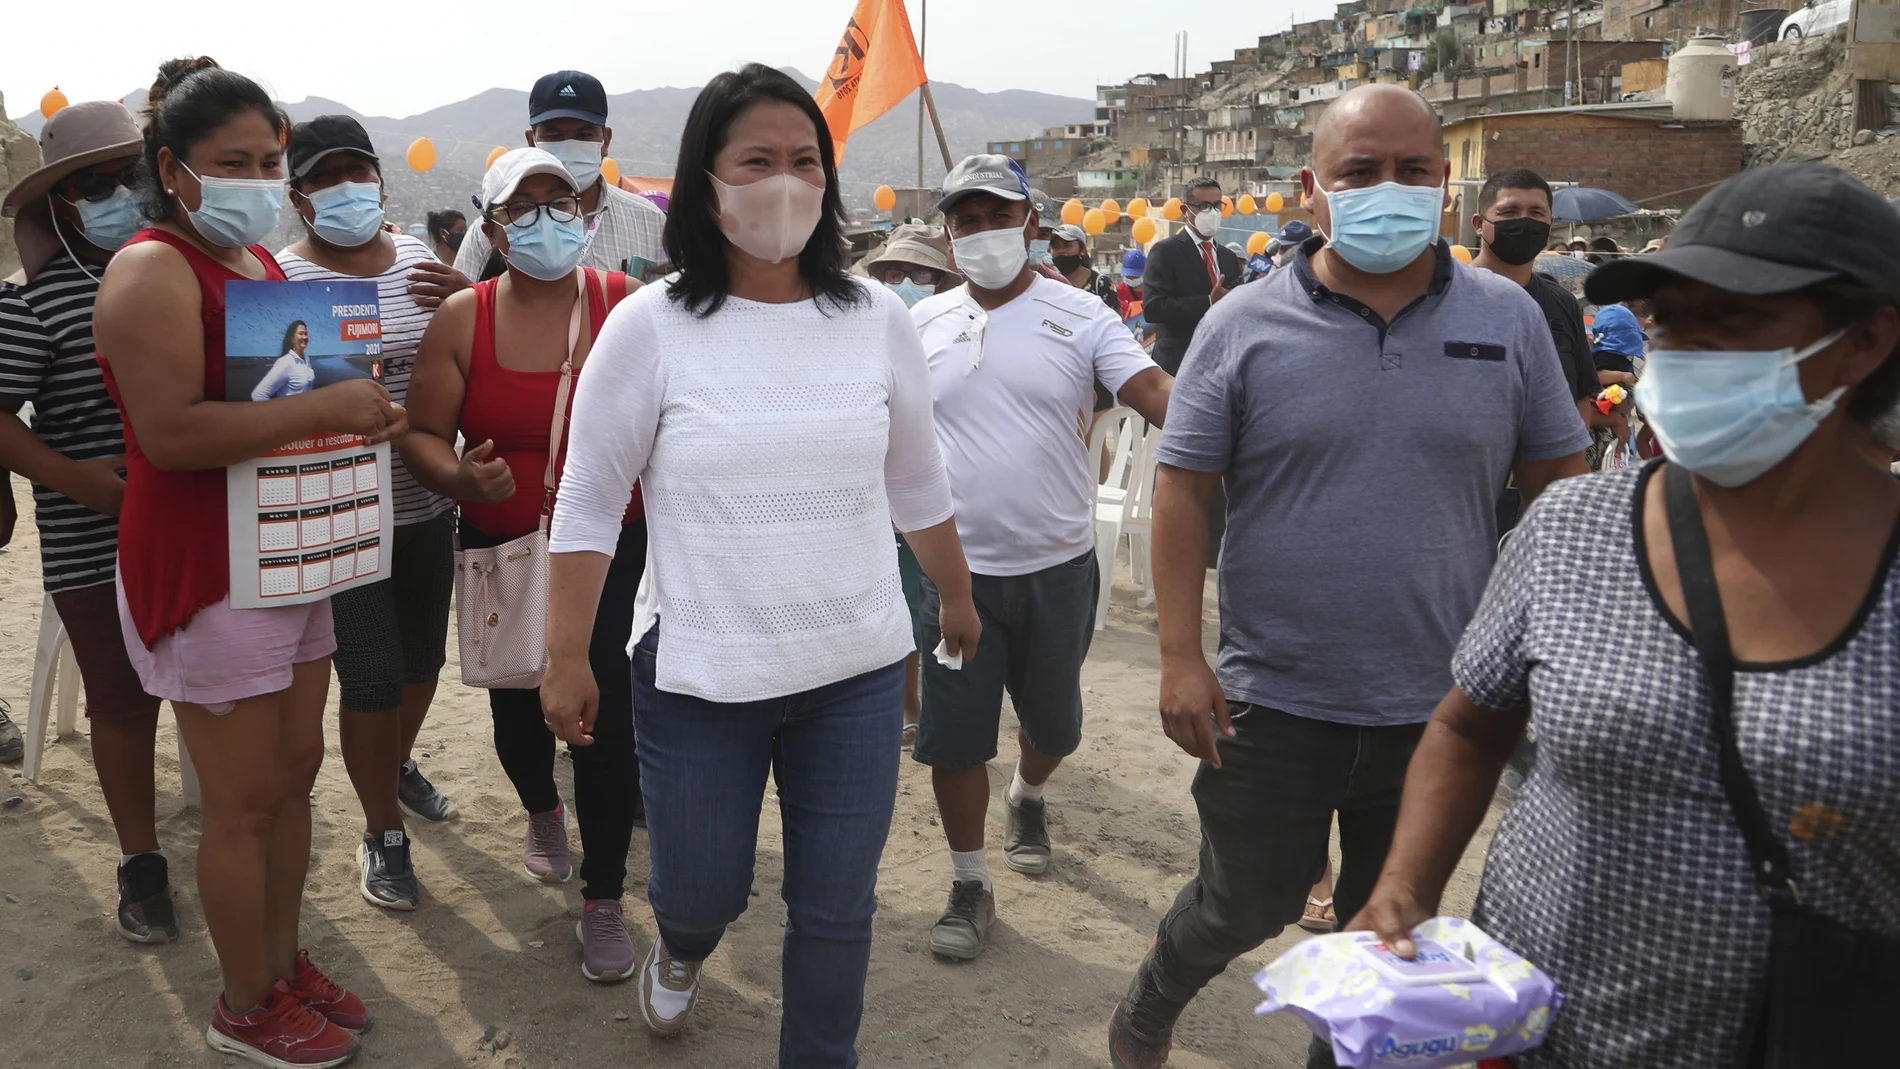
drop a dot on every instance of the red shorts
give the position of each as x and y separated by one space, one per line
113 690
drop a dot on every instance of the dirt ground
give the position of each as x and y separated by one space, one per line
491 950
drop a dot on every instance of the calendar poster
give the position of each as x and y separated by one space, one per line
312 518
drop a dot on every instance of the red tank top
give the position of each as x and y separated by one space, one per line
173 556
514 409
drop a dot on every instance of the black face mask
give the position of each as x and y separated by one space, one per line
453 241
1518 241
1069 265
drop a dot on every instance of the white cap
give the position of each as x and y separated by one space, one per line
515 165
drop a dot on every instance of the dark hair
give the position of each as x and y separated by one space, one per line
1203 182
440 223
1515 178
189 99
693 239
1843 304
290 333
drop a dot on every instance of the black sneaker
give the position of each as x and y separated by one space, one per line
419 797
1025 837
12 746
960 933
388 881
145 900
1141 1030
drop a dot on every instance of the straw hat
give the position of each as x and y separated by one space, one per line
913 243
76 137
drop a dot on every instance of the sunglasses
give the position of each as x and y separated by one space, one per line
97 185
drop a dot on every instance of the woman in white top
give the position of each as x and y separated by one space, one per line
776 412
292 373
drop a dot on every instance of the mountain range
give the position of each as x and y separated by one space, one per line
647 125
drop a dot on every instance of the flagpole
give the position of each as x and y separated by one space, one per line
943 143
923 47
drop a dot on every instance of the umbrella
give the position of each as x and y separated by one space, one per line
1561 267
1580 204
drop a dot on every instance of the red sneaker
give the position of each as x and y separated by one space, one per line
321 995
280 1033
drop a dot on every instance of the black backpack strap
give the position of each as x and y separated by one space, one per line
1695 567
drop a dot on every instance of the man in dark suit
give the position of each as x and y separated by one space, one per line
1187 274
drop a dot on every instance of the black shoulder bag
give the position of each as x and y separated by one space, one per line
1832 991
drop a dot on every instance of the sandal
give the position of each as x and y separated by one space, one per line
910 736
1319 916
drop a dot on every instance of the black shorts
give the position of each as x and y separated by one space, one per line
395 633
1036 634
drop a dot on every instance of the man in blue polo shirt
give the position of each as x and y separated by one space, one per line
1361 407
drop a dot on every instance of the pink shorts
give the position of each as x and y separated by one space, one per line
223 655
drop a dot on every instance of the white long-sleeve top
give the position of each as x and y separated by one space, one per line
774 444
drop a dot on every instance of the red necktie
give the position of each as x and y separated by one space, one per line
1207 253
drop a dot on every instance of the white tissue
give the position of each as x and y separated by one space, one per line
942 653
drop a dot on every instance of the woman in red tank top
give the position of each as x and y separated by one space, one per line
248 685
489 370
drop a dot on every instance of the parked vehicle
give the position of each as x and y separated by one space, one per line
1816 18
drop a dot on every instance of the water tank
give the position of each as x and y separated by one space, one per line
1702 80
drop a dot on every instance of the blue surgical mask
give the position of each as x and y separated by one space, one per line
348 214
547 249
111 222
910 292
1380 229
236 212
1730 416
581 158
1039 252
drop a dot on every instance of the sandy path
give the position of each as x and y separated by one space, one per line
491 949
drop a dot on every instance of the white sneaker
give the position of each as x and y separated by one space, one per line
668 989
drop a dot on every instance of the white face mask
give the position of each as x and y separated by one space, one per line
1207 222
992 259
581 158
772 218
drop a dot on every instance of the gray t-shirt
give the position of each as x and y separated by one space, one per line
1362 464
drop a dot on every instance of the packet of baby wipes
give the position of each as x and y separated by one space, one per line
1463 998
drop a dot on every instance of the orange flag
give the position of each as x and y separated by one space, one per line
875 68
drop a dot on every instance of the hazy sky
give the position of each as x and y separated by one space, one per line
401 57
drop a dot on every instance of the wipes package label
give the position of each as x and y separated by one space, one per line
1464 997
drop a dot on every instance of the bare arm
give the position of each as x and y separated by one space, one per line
1148 393
575 581
437 385
1532 476
940 553
1612 378
1448 786
149 332
1192 705
95 484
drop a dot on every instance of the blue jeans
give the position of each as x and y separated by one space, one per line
833 752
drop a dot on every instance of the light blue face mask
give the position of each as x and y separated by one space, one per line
547 249
1380 229
348 214
111 222
910 292
236 212
1039 253
1731 415
581 158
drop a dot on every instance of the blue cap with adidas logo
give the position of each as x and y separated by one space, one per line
568 95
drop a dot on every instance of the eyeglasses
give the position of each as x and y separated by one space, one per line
564 209
923 276
98 185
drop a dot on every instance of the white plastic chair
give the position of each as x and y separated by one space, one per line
1122 505
1138 517
56 678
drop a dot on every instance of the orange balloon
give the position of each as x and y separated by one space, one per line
610 170
52 102
1072 212
1256 243
885 198
1245 204
1226 207
1144 230
1138 207
1461 254
421 154
1171 211
1113 210
1094 221
493 155
1275 202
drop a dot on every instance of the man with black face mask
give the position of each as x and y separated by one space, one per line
1513 221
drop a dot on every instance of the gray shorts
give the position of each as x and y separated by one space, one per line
1036 633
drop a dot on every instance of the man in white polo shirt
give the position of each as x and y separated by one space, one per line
1014 357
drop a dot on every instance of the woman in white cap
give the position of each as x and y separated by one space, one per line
776 412
70 216
496 367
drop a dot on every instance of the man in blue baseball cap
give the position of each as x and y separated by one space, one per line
567 118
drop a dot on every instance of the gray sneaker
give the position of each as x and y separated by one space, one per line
419 797
606 948
668 989
12 746
545 854
1026 837
960 933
